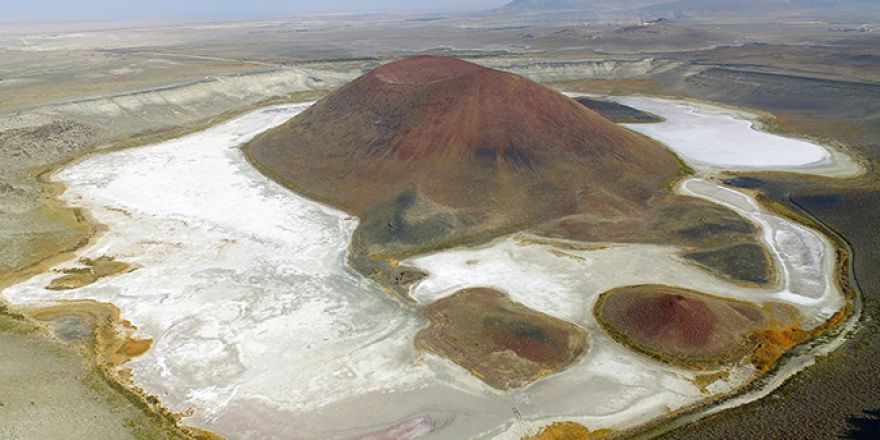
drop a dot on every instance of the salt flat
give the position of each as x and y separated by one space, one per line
262 329
242 284
714 138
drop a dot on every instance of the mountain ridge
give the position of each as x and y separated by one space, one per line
694 8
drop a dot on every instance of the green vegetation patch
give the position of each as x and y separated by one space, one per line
15 323
91 270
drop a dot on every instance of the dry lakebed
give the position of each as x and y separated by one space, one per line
261 330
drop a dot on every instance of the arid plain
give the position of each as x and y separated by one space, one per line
84 96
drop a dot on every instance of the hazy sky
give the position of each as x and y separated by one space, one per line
31 10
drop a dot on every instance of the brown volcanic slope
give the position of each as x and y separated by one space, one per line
463 136
503 342
431 151
687 327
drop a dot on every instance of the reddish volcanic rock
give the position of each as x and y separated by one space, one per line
503 342
664 316
424 70
430 150
455 109
679 325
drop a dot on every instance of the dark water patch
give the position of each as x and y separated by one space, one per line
743 182
821 201
865 428
616 112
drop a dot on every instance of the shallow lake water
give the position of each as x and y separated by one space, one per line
264 332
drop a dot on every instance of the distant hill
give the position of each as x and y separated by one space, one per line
652 35
701 8
560 5
544 5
